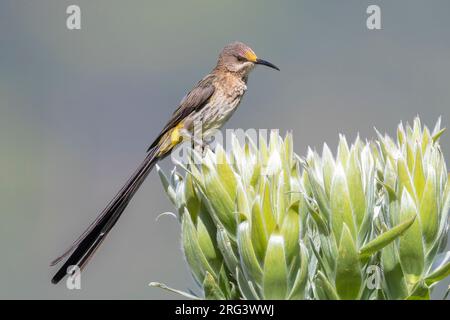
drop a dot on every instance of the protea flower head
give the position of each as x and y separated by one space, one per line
259 222
414 181
341 197
240 218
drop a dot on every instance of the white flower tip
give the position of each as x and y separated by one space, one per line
277 239
274 163
339 170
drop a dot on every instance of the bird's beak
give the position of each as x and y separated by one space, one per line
266 63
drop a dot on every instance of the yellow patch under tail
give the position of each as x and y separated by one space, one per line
171 139
175 134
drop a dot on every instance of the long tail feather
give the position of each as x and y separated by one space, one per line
86 245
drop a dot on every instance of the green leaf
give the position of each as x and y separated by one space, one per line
225 284
324 289
256 175
225 173
340 204
348 271
208 245
286 159
242 202
258 230
328 168
409 157
191 198
391 192
438 275
343 150
400 134
404 177
263 151
385 238
218 197
166 185
194 171
394 278
419 176
441 240
192 250
290 231
269 216
288 148
322 262
389 178
411 246
438 134
299 286
212 289
437 126
416 128
275 269
420 292
329 249
426 139
280 206
384 147
249 261
355 187
429 215
318 193
246 291
226 249
318 218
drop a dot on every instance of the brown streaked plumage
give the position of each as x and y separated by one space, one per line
212 101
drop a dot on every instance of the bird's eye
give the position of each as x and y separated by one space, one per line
240 58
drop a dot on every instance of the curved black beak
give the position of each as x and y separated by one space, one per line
266 63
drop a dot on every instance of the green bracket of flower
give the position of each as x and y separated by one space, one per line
263 223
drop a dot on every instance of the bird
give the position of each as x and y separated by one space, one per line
211 102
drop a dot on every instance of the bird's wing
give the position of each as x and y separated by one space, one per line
195 100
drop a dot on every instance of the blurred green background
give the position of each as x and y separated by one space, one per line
79 108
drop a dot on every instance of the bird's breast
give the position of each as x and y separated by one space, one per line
238 90
221 107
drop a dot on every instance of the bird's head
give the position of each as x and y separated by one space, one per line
239 58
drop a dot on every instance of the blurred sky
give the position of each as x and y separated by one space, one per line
79 108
